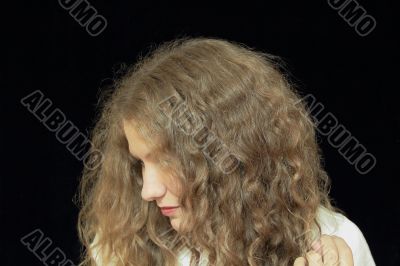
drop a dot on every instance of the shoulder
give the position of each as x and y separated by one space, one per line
333 223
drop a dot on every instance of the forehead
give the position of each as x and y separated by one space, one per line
130 130
142 147
137 144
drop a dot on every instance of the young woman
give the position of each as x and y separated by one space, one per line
209 157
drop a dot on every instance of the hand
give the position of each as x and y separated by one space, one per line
327 251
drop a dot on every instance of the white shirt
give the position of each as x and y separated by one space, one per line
339 225
332 223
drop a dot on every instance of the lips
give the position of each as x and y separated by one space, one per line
167 211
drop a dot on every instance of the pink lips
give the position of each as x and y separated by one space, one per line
167 211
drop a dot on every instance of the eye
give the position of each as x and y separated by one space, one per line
141 163
136 164
138 167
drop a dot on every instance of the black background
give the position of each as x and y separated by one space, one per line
46 49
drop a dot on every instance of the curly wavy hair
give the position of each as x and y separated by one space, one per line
258 214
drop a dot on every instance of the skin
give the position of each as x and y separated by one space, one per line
159 186
328 250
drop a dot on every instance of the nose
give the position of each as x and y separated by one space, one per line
153 187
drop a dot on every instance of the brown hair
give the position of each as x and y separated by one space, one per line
259 213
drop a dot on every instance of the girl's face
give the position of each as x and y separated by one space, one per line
158 184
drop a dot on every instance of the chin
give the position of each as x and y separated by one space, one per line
175 222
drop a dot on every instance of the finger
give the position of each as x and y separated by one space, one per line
345 252
300 261
314 258
317 246
330 255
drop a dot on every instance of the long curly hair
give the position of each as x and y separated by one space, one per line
259 213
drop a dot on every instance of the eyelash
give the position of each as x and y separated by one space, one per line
140 162
136 162
138 169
